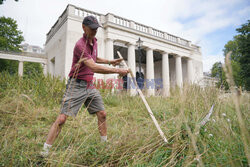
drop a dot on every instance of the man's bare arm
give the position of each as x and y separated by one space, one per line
102 69
102 61
105 61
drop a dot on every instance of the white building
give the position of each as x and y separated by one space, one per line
173 59
31 48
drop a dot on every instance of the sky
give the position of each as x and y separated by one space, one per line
207 23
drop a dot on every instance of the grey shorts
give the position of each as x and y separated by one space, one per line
78 92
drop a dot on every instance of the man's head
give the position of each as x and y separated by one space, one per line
90 26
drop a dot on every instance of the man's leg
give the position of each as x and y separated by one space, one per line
102 126
53 133
56 128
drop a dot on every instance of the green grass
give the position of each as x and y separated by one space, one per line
29 106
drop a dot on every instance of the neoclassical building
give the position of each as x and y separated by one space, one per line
164 56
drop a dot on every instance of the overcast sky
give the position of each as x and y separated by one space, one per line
207 23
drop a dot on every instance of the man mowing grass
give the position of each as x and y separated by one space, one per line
78 91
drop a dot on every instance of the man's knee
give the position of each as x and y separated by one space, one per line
61 119
102 114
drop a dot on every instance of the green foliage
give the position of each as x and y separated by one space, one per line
10 36
31 69
240 58
39 87
244 49
10 39
9 65
233 45
216 70
29 106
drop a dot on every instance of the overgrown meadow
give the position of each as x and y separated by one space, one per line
28 107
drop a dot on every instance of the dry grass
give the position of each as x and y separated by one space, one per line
28 107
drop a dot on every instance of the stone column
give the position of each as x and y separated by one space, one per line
131 64
44 69
20 68
150 73
109 49
190 70
178 70
109 55
165 74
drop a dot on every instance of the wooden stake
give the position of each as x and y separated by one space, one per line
144 101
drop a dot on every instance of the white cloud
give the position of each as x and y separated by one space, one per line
209 60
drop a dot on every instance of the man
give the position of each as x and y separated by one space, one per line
77 92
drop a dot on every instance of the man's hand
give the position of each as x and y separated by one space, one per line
116 61
122 71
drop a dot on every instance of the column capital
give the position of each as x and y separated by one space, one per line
176 55
164 52
148 48
109 39
131 43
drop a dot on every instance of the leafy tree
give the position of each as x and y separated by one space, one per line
240 58
1 1
233 45
10 36
10 40
218 72
244 49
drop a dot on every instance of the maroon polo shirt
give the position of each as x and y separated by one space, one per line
90 52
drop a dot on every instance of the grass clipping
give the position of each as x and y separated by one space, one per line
28 107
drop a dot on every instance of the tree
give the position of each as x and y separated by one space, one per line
10 39
10 36
233 45
240 58
244 49
218 72
1 1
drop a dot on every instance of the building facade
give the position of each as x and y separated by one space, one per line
172 59
31 48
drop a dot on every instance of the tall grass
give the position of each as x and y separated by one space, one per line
29 106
